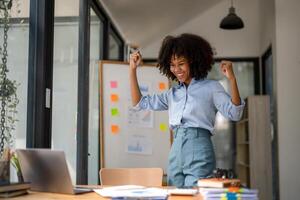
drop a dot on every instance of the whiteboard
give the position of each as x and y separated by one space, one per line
129 138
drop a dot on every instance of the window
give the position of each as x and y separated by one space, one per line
65 80
223 139
79 39
115 50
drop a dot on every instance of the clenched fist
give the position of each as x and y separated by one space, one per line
135 59
226 68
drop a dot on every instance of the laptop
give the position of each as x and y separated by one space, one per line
47 171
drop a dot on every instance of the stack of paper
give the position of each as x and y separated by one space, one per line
132 191
228 193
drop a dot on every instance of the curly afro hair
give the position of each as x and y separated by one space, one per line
194 48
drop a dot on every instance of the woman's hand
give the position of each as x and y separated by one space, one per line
226 68
135 59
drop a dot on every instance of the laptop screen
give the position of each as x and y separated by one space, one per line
46 170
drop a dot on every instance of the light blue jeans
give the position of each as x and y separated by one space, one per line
191 157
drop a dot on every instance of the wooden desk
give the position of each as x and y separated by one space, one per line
86 196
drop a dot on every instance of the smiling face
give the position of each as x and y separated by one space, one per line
179 66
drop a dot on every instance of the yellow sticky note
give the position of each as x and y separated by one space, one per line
115 129
162 86
114 112
163 127
114 97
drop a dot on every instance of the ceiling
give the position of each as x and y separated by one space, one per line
142 22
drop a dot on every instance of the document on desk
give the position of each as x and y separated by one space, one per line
132 191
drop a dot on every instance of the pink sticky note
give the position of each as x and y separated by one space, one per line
113 84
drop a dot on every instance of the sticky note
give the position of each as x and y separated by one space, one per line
114 98
162 86
114 112
113 84
115 129
163 127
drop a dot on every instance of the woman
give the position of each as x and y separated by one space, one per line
192 104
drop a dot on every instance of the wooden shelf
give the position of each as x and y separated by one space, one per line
242 143
243 121
253 146
243 164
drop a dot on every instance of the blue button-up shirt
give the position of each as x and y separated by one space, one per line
195 105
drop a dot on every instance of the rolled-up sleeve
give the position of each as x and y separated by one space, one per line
153 102
224 105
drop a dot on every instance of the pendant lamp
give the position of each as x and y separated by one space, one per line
232 21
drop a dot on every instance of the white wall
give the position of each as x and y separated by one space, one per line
267 33
288 81
66 8
238 43
267 24
62 8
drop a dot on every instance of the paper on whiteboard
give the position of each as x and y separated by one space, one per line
144 89
143 118
139 144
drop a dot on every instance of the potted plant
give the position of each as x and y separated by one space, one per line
8 98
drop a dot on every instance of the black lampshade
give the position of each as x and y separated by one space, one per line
232 21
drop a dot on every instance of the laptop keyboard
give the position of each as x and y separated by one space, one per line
78 190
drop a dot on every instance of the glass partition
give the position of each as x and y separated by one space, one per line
65 81
223 138
96 37
114 47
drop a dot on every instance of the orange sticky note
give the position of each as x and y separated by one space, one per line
113 84
162 86
114 129
114 97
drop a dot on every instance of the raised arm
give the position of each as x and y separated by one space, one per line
226 68
135 60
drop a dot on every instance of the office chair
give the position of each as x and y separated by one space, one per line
131 176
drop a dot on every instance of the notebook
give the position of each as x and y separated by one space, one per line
218 182
47 171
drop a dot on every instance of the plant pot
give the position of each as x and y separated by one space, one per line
4 172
